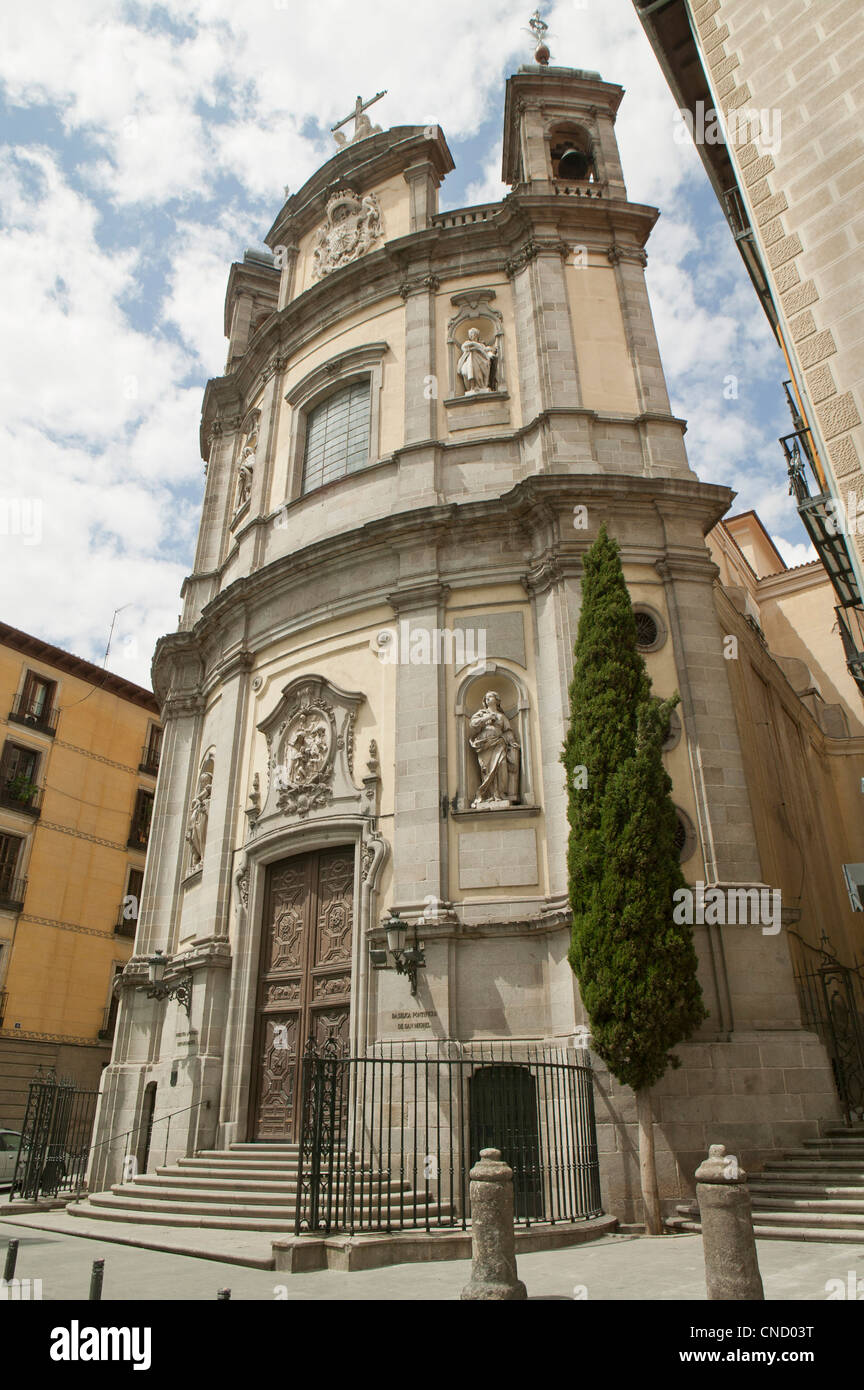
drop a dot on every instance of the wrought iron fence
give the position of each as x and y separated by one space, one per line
832 1004
55 1151
389 1138
55 1138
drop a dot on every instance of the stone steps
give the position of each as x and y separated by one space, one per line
815 1192
247 1186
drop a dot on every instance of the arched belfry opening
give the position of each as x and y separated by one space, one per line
571 155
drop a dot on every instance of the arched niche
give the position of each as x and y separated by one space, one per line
199 812
515 705
571 153
474 311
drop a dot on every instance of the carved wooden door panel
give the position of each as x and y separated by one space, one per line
304 980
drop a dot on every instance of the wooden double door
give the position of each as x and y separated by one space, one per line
304 980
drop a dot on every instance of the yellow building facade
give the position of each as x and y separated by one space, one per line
78 765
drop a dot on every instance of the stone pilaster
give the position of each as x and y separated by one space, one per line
548 373
755 988
419 839
422 181
225 732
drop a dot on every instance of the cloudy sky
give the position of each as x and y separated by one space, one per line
145 146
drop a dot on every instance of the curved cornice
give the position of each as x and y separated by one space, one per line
535 505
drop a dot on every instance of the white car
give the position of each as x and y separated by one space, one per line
10 1143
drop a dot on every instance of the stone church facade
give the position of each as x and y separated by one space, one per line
424 420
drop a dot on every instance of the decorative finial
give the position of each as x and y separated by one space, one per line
539 28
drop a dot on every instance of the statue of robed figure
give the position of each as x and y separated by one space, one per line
497 753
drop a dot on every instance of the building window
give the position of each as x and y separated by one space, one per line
139 831
19 767
12 887
109 1018
650 628
337 436
151 751
35 706
685 835
130 907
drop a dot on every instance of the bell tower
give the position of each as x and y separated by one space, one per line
559 133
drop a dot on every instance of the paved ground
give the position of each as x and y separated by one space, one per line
614 1268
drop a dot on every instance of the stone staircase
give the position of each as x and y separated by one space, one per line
248 1187
815 1192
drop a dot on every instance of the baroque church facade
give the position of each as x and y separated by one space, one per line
424 420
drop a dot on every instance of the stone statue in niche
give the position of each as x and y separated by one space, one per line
245 471
476 365
246 468
196 833
498 754
352 227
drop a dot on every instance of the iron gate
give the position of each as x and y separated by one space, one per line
832 1004
55 1138
389 1138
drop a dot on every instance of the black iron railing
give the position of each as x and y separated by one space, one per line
737 215
12 891
55 1138
55 1150
125 926
149 760
822 516
24 711
831 995
140 1148
389 1138
139 833
20 795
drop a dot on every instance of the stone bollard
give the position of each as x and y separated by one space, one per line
493 1239
728 1242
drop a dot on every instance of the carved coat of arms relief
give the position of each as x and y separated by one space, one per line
353 226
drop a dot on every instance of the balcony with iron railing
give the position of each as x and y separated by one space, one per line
149 760
737 215
21 795
109 1021
139 834
821 515
125 926
24 712
12 892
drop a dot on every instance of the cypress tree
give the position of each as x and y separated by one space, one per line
636 967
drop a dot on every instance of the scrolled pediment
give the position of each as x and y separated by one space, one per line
310 750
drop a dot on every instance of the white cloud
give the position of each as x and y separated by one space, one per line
184 123
799 554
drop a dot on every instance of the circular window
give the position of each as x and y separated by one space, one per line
650 628
673 738
685 835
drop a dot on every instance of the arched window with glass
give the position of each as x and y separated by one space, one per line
337 435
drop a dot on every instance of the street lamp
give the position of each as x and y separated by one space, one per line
406 961
181 990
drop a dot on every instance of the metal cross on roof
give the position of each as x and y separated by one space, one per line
362 124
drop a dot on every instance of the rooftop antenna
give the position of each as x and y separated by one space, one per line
111 632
